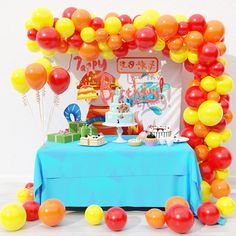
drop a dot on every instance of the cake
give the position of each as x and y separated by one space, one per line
119 112
92 140
159 131
86 93
134 142
151 140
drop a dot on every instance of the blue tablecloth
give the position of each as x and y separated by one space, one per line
117 174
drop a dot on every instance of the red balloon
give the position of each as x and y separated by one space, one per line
29 185
116 218
32 33
97 23
122 51
183 28
75 40
59 80
208 53
197 22
200 71
55 19
194 96
179 218
186 124
194 140
166 51
219 158
207 172
132 45
224 104
48 38
226 96
208 213
216 69
145 38
32 209
68 12
188 66
220 126
63 47
125 19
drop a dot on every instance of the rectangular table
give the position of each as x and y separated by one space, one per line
116 174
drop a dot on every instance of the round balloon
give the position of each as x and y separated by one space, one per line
194 140
88 34
94 214
22 195
68 12
208 53
226 206
201 152
207 172
174 201
213 139
220 188
32 46
114 42
155 218
224 84
213 95
214 31
197 22
140 22
127 32
206 191
31 208
18 81
101 35
89 51
151 16
200 130
208 83
112 25
190 116
75 40
194 39
65 27
45 63
81 18
194 96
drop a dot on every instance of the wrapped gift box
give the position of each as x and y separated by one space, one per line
63 137
73 127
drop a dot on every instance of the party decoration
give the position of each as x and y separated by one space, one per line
190 116
18 81
226 206
224 84
213 139
220 188
94 214
59 80
210 113
112 25
194 96
206 191
208 83
65 27
32 46
22 195
174 201
155 218
12 217
194 140
179 218
197 22
226 134
208 213
140 22
81 18
29 185
52 212
208 53
45 63
88 34
31 209
75 40
222 174
127 32
207 172
194 39
151 16
115 218
89 51
214 31
68 12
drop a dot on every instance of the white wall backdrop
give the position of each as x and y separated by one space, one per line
19 134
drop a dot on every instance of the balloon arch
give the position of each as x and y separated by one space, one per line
193 41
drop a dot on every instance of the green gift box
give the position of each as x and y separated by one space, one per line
73 127
82 123
52 137
93 130
63 138
84 130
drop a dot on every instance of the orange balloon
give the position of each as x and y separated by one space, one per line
30 194
63 47
114 42
110 14
175 43
193 40
201 152
228 116
174 201
194 82
220 188
52 212
36 76
213 95
127 32
200 130
89 51
222 47
155 218
214 32
166 27
81 18
101 35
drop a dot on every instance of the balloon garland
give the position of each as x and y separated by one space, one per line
195 42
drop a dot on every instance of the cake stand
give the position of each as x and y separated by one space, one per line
119 130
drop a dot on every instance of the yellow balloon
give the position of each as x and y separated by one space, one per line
160 45
226 206
72 50
22 195
226 134
32 46
151 16
94 214
208 83
210 113
222 174
48 53
12 217
18 81
41 18
92 15
103 46
222 60
179 56
190 116
140 22
206 191
193 57
181 18
224 84
65 27
45 63
113 25
108 55
213 139
29 24
88 34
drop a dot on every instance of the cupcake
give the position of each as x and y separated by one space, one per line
142 136
151 140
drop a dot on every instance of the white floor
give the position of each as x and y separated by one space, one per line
74 223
